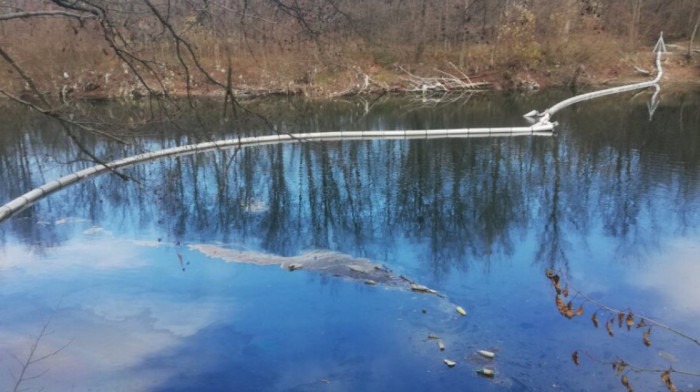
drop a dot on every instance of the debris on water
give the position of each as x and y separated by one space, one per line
668 356
322 261
486 354
461 311
370 282
432 336
449 363
361 269
441 345
422 289
486 372
424 310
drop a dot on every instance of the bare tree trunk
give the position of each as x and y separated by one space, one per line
634 23
692 37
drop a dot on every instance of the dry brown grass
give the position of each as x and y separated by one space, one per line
51 49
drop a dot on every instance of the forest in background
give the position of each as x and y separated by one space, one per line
103 48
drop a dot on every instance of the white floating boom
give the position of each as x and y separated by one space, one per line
547 114
31 197
542 127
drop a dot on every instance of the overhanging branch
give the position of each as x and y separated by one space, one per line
27 15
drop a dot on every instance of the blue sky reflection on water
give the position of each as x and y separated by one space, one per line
611 201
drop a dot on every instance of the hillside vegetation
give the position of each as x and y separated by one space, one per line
104 48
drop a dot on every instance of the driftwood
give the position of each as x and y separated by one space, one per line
446 82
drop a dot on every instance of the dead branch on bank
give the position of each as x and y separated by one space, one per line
447 82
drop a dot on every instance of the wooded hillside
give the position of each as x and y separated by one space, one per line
320 47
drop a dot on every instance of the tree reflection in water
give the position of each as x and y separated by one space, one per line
463 199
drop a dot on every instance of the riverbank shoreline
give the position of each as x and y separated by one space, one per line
679 73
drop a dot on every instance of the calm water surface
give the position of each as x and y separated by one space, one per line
116 274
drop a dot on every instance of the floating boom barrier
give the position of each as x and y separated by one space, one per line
659 49
543 127
31 197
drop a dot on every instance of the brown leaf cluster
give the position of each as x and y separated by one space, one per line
645 338
574 356
567 310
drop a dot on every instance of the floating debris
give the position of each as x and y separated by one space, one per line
370 282
432 336
424 311
461 311
486 354
449 363
486 372
441 345
362 269
668 356
422 289
322 261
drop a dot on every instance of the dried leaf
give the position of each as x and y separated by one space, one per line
595 319
666 378
419 288
565 292
641 324
620 368
630 321
550 274
569 310
626 383
610 331
579 311
620 317
555 283
560 305
574 356
645 338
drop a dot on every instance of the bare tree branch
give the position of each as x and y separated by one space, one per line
27 15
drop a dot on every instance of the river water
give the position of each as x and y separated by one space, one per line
179 278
